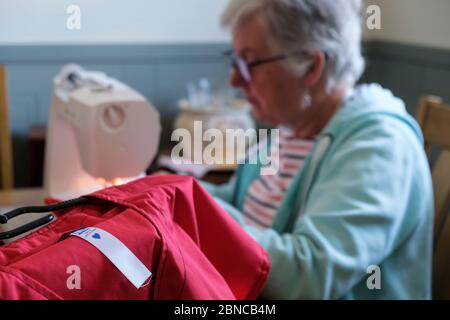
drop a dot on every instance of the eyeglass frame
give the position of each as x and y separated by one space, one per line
244 68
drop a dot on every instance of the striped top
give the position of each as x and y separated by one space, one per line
266 193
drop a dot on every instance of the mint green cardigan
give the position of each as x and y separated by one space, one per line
362 198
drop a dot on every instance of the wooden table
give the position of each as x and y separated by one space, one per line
18 198
22 197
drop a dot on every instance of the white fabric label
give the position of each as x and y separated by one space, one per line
124 260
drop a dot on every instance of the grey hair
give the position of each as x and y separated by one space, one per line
330 26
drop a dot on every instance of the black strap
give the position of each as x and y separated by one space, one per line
27 227
4 218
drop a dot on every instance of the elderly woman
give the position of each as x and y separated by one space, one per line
354 219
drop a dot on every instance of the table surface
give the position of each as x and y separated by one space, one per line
22 197
10 199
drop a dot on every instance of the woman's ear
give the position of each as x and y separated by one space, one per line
315 70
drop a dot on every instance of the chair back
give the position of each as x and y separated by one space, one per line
434 119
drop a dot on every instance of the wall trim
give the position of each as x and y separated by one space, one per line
110 53
50 54
407 53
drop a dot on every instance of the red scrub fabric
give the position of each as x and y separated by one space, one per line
193 248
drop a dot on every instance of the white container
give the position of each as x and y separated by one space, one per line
197 120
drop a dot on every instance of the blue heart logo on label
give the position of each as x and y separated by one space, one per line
96 236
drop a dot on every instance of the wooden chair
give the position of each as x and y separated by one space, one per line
6 163
434 119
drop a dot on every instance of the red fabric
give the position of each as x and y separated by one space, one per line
192 247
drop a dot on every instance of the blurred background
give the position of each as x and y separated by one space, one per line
158 47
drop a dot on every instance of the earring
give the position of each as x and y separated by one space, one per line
307 100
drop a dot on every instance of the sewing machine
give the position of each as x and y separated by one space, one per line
100 133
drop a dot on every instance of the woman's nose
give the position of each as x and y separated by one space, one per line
236 79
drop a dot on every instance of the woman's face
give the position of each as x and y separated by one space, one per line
274 93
